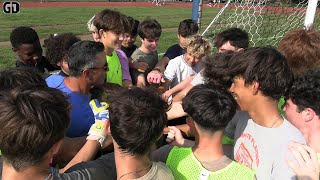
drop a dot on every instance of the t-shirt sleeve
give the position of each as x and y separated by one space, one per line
124 65
198 79
135 55
97 169
161 154
172 52
171 70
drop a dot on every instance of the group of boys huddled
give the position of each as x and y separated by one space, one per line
100 109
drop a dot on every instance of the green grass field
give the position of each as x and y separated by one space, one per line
51 20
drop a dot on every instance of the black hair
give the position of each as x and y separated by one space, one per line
134 26
216 69
137 119
237 37
58 46
188 27
19 77
266 66
23 35
210 106
33 119
305 91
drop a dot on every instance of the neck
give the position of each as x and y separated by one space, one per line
77 85
108 51
131 166
38 172
209 146
312 135
265 113
145 50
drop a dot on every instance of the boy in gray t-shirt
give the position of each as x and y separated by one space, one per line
145 58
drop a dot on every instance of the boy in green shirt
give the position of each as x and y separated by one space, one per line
111 25
210 108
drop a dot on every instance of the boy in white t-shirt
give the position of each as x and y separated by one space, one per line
186 65
260 77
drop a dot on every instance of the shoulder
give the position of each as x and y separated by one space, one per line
174 47
79 99
240 170
177 60
137 52
292 132
162 171
55 80
120 53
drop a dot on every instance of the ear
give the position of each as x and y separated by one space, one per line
55 148
178 36
308 114
190 122
14 49
107 127
87 74
255 87
101 33
239 49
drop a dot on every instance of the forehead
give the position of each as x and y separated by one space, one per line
29 47
198 56
151 40
227 47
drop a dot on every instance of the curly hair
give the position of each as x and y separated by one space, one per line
216 69
58 46
305 91
198 45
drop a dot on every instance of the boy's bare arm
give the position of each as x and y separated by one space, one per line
139 66
162 63
181 86
69 148
86 153
176 111
182 93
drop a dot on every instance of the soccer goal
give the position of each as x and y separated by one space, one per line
266 21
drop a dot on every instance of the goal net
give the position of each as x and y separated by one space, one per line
266 21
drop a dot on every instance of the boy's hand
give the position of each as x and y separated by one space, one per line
101 114
307 159
166 95
155 77
175 137
140 66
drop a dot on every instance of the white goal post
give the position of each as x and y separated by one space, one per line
266 21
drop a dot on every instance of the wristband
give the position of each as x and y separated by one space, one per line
158 69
